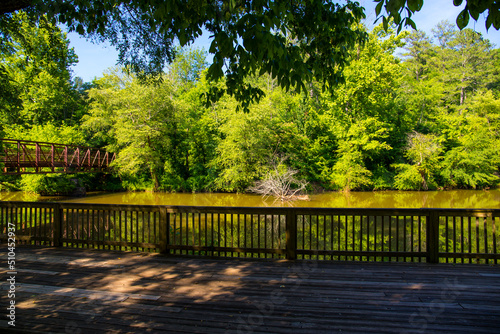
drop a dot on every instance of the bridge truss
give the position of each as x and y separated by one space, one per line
30 157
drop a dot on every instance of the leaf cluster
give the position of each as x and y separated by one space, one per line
401 12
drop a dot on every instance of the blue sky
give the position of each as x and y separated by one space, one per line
94 59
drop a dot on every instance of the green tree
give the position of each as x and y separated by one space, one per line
421 88
422 152
134 120
473 157
463 57
364 139
35 71
294 41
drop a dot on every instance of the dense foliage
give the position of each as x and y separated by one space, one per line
414 113
402 10
294 41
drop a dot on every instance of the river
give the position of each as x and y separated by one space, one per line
384 199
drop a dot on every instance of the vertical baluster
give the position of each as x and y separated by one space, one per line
383 237
218 233
251 233
339 236
181 242
149 240
174 233
404 236
199 232
187 232
324 236
206 232
281 237
310 235
212 232
265 236
239 233
470 237
114 230
390 237
353 236
454 239
143 225
330 245
447 240
397 236
162 237
477 239
462 232
225 233
412 237
303 232
420 238
486 248
127 235
493 219
368 220
120 224
362 242
136 225
32 224
272 235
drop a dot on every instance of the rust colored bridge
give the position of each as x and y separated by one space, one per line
30 157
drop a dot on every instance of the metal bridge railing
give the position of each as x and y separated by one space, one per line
30 157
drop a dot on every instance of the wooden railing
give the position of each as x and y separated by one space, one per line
403 235
29 157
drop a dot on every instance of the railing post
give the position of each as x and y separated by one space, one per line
58 217
433 237
164 231
65 158
291 235
52 158
78 163
37 158
18 157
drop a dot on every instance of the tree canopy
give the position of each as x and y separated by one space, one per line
427 119
296 42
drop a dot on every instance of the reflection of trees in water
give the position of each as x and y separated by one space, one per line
384 199
410 199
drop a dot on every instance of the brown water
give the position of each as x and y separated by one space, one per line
385 199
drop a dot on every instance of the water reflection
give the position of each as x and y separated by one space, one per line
386 199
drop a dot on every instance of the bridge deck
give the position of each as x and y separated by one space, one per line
82 291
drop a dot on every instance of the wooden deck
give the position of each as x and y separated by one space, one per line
92 291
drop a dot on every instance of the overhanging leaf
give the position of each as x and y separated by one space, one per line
463 19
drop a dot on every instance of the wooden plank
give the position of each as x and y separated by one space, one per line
264 296
112 243
351 253
227 249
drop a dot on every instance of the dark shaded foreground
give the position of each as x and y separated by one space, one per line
89 291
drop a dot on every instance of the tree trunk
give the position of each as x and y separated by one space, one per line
424 182
154 177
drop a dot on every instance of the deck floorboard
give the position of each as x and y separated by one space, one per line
90 291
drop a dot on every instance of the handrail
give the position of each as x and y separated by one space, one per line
427 234
47 143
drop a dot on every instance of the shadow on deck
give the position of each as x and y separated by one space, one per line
90 291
